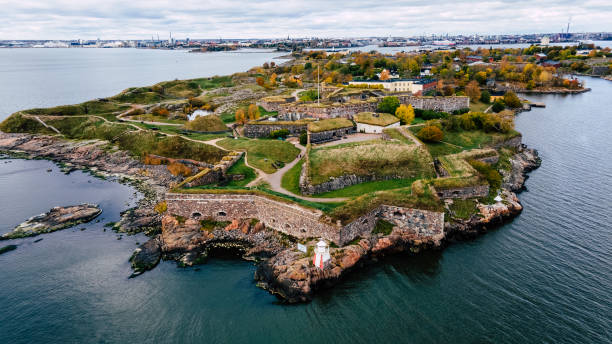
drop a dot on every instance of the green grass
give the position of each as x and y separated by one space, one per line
463 208
291 179
206 124
464 140
381 119
478 106
330 124
367 187
395 134
214 82
381 158
263 153
240 168
17 123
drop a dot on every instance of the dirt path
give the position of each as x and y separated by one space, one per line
407 134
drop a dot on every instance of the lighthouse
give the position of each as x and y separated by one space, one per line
321 254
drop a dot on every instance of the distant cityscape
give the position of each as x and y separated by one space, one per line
289 44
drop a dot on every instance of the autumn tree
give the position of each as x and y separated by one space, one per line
473 90
240 117
405 113
253 112
430 133
511 100
384 75
273 79
260 81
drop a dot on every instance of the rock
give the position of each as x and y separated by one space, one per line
146 257
7 248
57 218
524 161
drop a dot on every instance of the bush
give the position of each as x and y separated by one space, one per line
430 114
498 106
430 133
511 100
485 97
303 138
161 207
209 123
176 168
389 105
160 112
489 173
281 133
461 111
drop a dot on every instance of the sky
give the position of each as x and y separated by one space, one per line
137 19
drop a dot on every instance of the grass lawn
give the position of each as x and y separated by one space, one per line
478 106
382 158
263 153
463 208
395 134
240 168
364 188
455 142
291 179
174 130
214 82
151 118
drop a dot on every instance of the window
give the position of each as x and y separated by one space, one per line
221 213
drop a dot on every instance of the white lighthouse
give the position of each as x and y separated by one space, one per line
321 254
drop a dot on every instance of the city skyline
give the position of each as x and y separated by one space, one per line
61 19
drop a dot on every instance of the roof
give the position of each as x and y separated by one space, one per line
329 124
379 119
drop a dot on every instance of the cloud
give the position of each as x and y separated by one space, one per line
136 19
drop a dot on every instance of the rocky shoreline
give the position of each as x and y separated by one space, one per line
54 220
282 269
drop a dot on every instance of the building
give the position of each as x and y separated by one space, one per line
473 58
375 123
415 86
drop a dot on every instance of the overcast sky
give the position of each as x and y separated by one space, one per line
136 19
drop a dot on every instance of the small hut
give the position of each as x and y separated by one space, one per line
321 254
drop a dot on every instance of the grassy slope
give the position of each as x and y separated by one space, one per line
382 158
364 188
463 139
206 124
291 179
262 153
241 168
396 135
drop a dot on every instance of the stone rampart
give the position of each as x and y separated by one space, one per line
330 135
298 221
264 130
464 192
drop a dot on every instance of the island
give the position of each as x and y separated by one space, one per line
310 180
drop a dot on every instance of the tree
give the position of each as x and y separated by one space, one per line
240 117
384 75
160 112
498 105
253 112
405 114
273 79
260 81
388 104
485 97
430 133
512 100
473 90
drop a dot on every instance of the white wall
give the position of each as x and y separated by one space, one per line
374 129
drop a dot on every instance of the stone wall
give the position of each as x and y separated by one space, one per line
464 193
446 104
274 103
337 183
264 130
287 218
348 110
330 135
298 221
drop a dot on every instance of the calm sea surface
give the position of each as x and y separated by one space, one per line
545 277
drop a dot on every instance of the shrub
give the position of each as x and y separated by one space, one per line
161 207
498 106
176 168
196 102
388 105
430 114
511 100
303 138
160 112
430 133
209 123
489 173
485 97
281 133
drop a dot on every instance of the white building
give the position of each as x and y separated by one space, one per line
375 123
415 86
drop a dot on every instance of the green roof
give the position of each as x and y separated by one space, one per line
329 124
380 119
